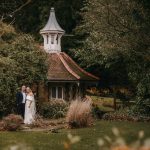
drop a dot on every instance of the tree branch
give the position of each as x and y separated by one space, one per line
15 11
18 9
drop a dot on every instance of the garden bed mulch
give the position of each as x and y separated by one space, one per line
46 125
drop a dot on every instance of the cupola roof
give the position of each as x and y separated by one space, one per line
52 24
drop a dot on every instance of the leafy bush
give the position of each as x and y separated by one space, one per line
97 112
142 107
101 105
79 114
21 60
54 109
12 122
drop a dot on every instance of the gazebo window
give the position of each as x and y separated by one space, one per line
56 93
57 38
47 39
53 92
52 39
60 93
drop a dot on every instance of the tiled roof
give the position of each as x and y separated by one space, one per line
62 67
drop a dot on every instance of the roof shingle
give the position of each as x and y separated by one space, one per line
62 67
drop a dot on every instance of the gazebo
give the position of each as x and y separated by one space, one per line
65 79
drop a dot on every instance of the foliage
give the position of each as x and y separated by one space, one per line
54 109
142 106
97 112
114 42
21 62
79 114
101 105
12 122
34 15
112 39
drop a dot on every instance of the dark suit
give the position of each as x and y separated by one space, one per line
20 105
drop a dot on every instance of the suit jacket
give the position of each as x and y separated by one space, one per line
19 98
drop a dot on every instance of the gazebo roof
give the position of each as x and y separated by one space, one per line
63 68
52 24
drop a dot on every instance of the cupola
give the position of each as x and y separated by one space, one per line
52 33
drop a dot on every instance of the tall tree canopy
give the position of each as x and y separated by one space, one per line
116 37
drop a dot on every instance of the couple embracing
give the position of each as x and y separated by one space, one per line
26 104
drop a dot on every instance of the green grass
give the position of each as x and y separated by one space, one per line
105 108
102 99
105 104
89 136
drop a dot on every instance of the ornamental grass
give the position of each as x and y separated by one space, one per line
79 114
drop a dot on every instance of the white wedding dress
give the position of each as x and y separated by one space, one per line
29 116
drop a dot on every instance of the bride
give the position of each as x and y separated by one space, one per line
30 108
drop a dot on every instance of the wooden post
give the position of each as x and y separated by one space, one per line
70 92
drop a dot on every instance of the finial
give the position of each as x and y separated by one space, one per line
52 9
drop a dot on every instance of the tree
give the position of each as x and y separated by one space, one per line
29 16
115 36
21 62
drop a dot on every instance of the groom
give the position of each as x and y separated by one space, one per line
21 98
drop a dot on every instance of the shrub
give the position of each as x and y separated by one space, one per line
16 67
79 114
12 122
2 125
54 109
97 112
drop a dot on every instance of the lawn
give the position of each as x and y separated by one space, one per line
89 136
106 104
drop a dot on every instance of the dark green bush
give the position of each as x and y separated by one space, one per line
54 109
142 107
97 112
